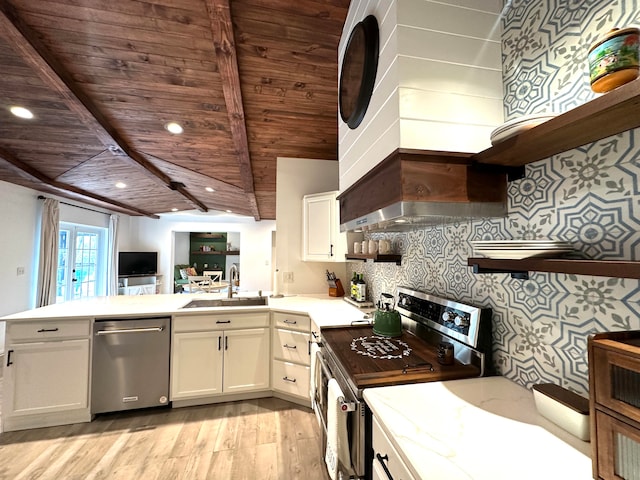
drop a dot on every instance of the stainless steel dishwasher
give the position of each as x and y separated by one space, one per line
130 364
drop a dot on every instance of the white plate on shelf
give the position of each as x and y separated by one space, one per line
520 253
520 244
518 125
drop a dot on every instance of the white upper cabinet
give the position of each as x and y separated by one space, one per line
321 237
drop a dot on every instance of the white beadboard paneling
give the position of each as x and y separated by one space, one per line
425 74
381 131
443 136
387 80
441 17
494 6
414 42
375 153
450 108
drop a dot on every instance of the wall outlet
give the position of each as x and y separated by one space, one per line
287 277
20 271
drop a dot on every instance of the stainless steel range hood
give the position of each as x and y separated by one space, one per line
403 216
411 189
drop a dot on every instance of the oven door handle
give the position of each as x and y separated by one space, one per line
382 459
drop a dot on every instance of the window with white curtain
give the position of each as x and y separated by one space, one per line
82 262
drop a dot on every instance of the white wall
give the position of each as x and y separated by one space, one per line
297 177
19 216
147 234
182 247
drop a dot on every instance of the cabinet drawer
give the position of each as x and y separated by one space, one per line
52 329
618 448
291 346
386 456
291 321
617 380
291 378
198 323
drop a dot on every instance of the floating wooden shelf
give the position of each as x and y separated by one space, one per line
208 235
520 268
397 259
606 115
217 252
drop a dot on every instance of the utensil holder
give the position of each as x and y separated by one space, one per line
336 290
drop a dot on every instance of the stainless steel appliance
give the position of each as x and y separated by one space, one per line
357 359
130 364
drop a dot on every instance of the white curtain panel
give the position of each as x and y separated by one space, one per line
112 270
49 237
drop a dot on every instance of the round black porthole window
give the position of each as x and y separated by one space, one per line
358 73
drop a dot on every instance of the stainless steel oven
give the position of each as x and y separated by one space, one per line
441 340
351 406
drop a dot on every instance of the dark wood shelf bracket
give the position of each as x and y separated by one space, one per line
377 258
516 274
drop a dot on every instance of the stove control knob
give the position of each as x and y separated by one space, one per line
448 316
461 321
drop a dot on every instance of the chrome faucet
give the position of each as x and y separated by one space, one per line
233 276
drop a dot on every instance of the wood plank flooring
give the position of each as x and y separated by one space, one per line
256 439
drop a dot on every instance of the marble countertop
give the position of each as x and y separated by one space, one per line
481 429
323 309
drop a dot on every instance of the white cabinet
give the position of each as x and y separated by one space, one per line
46 374
321 237
291 355
387 463
219 354
197 364
139 285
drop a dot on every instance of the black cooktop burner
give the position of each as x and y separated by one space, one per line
376 346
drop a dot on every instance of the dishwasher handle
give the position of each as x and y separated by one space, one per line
130 330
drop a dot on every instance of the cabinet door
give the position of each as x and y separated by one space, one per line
46 377
196 364
319 227
246 360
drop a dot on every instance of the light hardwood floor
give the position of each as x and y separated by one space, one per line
257 439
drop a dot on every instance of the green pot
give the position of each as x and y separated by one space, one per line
387 323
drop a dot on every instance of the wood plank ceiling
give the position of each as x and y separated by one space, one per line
249 81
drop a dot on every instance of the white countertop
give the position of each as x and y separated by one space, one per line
481 428
323 309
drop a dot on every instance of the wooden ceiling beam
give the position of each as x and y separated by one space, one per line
29 172
24 41
224 42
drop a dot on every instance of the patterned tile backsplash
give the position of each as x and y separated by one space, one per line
589 196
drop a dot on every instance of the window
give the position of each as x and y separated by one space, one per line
82 253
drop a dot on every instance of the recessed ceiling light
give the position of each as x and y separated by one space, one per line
174 127
209 189
121 185
229 211
21 112
174 209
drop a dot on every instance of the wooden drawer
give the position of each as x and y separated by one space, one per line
291 378
49 329
617 377
199 323
618 448
291 346
292 321
385 456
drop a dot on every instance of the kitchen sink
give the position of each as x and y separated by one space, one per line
227 302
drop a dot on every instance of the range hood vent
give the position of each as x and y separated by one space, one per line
411 189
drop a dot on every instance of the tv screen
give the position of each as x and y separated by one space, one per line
137 263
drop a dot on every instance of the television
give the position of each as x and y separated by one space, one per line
137 263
